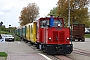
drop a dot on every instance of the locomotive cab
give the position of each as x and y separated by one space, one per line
53 37
49 23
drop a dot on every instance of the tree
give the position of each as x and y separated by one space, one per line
78 11
29 14
2 28
53 11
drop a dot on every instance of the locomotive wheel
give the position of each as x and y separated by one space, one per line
44 51
37 45
31 43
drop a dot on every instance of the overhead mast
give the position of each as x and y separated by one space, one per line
68 13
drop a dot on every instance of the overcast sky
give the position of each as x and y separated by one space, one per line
10 9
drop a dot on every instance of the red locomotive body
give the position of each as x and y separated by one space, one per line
53 37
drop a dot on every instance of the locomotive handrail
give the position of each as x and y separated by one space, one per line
71 35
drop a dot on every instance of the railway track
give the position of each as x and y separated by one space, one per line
62 57
75 51
52 57
81 52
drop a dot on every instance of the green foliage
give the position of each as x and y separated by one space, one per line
17 38
4 32
53 11
2 28
9 30
3 54
78 11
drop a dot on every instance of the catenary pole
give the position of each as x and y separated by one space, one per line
68 13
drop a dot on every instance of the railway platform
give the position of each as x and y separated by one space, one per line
21 51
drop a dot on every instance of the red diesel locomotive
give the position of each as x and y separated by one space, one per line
52 36
48 34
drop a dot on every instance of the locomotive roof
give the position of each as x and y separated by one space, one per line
43 18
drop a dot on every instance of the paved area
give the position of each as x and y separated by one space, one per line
3 58
25 57
82 45
20 51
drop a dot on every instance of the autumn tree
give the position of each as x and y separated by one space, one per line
78 11
29 14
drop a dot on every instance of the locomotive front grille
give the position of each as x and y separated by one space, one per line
58 36
61 36
55 36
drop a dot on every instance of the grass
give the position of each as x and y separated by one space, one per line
17 38
3 54
87 35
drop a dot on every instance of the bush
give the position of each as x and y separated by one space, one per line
17 38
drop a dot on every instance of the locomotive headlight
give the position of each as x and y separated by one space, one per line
50 38
67 38
58 24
